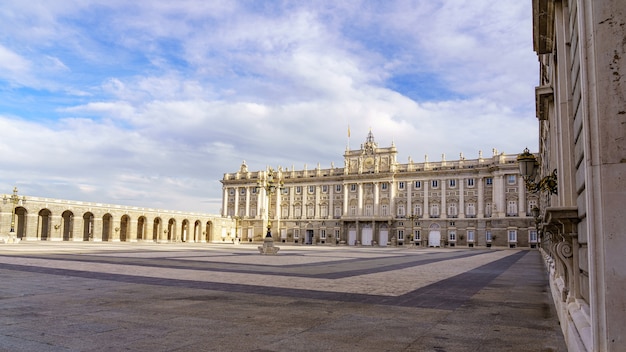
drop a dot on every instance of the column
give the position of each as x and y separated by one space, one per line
392 198
331 206
499 196
345 199
236 212
409 203
225 201
444 209
521 191
376 199
259 200
317 214
247 210
461 198
292 200
78 224
32 224
360 199
426 210
480 212
97 229
131 234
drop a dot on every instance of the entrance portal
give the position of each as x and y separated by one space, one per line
434 239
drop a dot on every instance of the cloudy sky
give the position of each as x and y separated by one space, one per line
149 103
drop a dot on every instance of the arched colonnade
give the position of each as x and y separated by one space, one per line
61 220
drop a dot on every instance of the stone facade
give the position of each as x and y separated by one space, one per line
64 220
374 200
581 107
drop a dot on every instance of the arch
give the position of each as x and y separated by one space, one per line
21 214
197 231
125 228
107 227
45 222
156 229
68 225
141 228
171 230
88 220
184 231
208 231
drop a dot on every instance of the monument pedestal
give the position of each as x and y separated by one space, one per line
268 247
11 239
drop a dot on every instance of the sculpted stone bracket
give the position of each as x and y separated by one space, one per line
561 223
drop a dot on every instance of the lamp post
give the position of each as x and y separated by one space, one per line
270 184
15 200
528 166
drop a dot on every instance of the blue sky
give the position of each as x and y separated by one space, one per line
150 103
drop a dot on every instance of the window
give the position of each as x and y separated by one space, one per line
452 211
311 189
297 211
489 181
337 212
337 188
533 236
310 211
418 184
296 233
511 179
253 212
452 236
512 235
231 191
417 210
384 185
284 190
470 182
353 210
452 183
400 235
298 189
337 234
401 211
434 210
488 210
384 209
471 210
324 211
401 185
488 236
511 209
417 235
323 234
242 191
435 183
369 210
284 212
325 189
531 204
353 187
470 235
254 190
452 224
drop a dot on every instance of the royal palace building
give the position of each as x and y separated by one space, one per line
375 201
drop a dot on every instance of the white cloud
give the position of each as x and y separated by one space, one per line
150 103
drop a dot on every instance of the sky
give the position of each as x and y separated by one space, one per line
149 103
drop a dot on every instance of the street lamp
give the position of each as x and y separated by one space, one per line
270 184
528 167
15 200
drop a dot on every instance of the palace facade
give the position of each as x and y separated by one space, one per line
374 200
581 112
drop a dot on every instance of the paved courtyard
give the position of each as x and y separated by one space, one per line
60 296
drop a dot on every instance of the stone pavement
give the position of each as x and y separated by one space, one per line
62 296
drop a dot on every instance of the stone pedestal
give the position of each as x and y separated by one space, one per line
268 247
12 238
